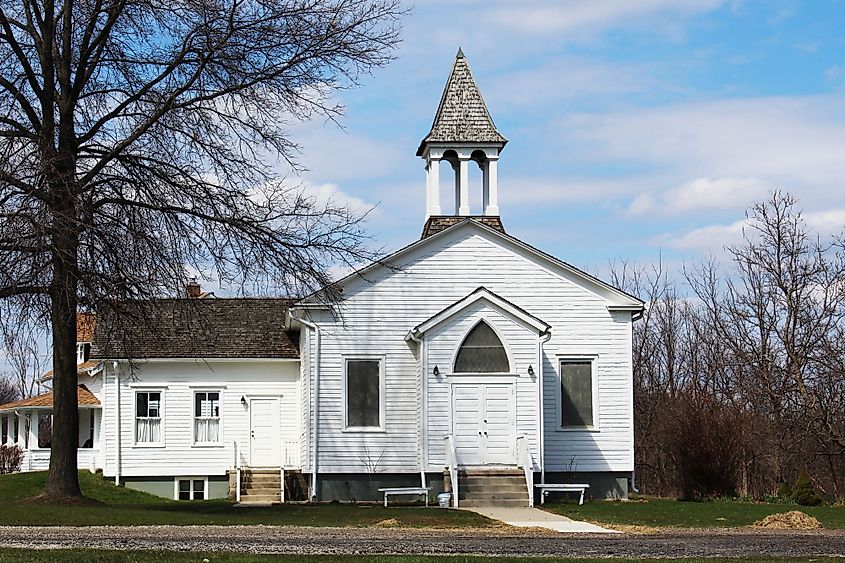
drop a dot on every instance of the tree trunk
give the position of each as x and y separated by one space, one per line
62 479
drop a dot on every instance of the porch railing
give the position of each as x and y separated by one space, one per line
237 472
527 465
452 467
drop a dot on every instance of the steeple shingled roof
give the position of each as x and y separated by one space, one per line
462 116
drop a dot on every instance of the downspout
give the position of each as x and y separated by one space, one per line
541 439
314 327
116 424
423 425
634 318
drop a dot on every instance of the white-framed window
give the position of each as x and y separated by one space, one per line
207 417
80 353
363 392
190 488
577 393
148 417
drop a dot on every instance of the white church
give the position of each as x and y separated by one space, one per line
469 361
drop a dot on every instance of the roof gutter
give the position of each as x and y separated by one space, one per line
316 414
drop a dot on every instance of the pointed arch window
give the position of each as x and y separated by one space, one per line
482 352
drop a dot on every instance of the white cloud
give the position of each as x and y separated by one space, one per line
827 222
701 194
577 17
712 238
332 193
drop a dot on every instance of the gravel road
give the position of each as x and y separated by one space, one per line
372 541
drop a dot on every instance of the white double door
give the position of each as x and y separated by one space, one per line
483 423
265 438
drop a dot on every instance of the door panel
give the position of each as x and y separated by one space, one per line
499 423
465 423
265 440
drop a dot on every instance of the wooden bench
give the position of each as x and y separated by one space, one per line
398 491
546 488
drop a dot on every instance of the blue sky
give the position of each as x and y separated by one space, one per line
637 128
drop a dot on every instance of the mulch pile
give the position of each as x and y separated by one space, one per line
792 520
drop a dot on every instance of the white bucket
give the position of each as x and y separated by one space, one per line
444 500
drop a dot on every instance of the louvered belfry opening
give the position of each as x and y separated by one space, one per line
482 352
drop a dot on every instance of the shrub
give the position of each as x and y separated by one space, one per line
784 491
804 492
10 459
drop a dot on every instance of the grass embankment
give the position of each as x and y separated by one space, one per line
122 506
660 513
104 556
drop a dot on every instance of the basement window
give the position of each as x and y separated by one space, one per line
191 488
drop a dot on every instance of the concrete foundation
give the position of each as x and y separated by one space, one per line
603 485
348 487
218 486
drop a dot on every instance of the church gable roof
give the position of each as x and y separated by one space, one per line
620 300
462 115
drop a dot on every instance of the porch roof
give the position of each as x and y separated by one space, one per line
481 293
44 401
86 368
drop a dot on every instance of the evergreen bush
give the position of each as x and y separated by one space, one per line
804 492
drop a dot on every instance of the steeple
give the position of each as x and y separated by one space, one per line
462 131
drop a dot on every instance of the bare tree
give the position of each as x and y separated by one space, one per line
8 390
138 142
24 344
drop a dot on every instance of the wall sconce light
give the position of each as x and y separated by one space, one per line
243 400
436 371
531 371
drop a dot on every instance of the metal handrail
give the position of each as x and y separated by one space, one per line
527 464
452 466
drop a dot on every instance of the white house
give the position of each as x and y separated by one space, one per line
468 354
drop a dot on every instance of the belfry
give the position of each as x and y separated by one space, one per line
462 133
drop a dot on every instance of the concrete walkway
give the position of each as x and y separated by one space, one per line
535 518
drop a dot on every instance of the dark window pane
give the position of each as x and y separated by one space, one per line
482 352
199 489
362 393
141 404
199 398
576 380
184 489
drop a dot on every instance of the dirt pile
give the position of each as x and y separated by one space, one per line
792 520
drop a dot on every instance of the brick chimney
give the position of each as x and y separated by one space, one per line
193 289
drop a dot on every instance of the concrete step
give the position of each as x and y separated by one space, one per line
259 498
493 494
500 502
491 472
479 488
492 482
261 482
260 490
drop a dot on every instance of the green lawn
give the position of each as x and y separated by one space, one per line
102 556
121 506
660 512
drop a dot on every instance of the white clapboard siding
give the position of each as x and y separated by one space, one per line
178 381
379 310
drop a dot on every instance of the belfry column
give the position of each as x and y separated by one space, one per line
491 187
432 169
462 180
